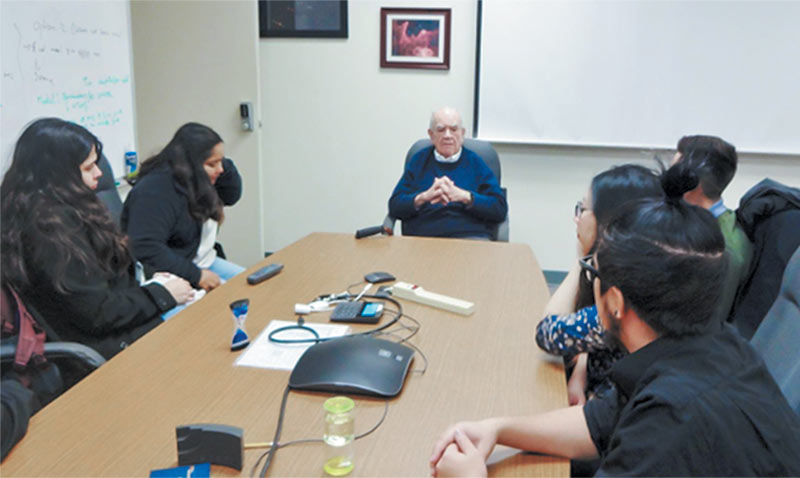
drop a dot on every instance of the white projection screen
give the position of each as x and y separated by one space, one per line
639 73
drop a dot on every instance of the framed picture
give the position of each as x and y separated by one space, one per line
302 19
415 38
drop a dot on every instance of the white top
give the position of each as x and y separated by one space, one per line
206 252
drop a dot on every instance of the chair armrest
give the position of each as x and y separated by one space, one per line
502 231
87 355
59 350
388 224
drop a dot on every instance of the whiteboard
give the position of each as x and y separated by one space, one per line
70 60
640 73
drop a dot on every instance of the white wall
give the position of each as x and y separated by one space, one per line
196 61
545 182
336 129
337 126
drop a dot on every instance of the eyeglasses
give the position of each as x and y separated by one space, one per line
588 269
579 208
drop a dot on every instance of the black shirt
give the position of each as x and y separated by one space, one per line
700 405
106 310
164 235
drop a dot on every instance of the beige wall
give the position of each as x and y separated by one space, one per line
196 61
545 182
336 126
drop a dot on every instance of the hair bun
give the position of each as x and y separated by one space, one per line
678 180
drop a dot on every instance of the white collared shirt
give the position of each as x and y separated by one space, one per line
451 159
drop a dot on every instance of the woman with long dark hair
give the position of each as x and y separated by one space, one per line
173 211
570 327
63 253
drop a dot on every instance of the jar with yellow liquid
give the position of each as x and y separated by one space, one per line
338 437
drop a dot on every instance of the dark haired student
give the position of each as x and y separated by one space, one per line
714 161
64 254
691 398
174 210
570 325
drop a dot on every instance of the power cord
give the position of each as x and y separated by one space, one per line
299 326
417 349
271 452
317 339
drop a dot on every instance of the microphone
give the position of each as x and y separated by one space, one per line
371 231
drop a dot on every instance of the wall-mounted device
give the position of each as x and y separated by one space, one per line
246 114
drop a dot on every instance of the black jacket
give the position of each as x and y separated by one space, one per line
17 405
770 215
163 234
106 311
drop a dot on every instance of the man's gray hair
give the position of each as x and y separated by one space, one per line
432 123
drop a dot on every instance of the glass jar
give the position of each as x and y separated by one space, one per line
338 436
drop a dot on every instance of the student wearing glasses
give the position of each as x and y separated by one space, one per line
570 326
692 398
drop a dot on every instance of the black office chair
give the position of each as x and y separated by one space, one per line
483 149
107 189
59 367
776 337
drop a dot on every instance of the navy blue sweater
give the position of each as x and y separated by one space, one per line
454 219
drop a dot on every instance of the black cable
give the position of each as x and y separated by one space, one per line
417 349
353 285
398 315
270 452
277 436
299 326
418 326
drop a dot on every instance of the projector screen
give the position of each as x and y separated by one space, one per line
639 73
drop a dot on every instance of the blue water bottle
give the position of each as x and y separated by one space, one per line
131 161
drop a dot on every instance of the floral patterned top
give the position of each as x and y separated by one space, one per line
571 334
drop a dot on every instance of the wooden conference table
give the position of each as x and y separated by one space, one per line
120 420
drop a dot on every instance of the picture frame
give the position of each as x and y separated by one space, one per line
415 38
302 19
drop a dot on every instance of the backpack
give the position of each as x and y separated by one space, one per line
23 356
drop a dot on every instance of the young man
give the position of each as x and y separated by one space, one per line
691 398
714 161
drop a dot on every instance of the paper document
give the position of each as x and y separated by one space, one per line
265 354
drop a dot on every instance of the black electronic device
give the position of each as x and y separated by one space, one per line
264 273
357 312
246 114
210 443
378 277
356 364
371 231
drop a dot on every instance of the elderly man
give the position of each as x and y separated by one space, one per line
447 190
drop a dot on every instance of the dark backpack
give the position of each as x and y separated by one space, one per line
23 356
